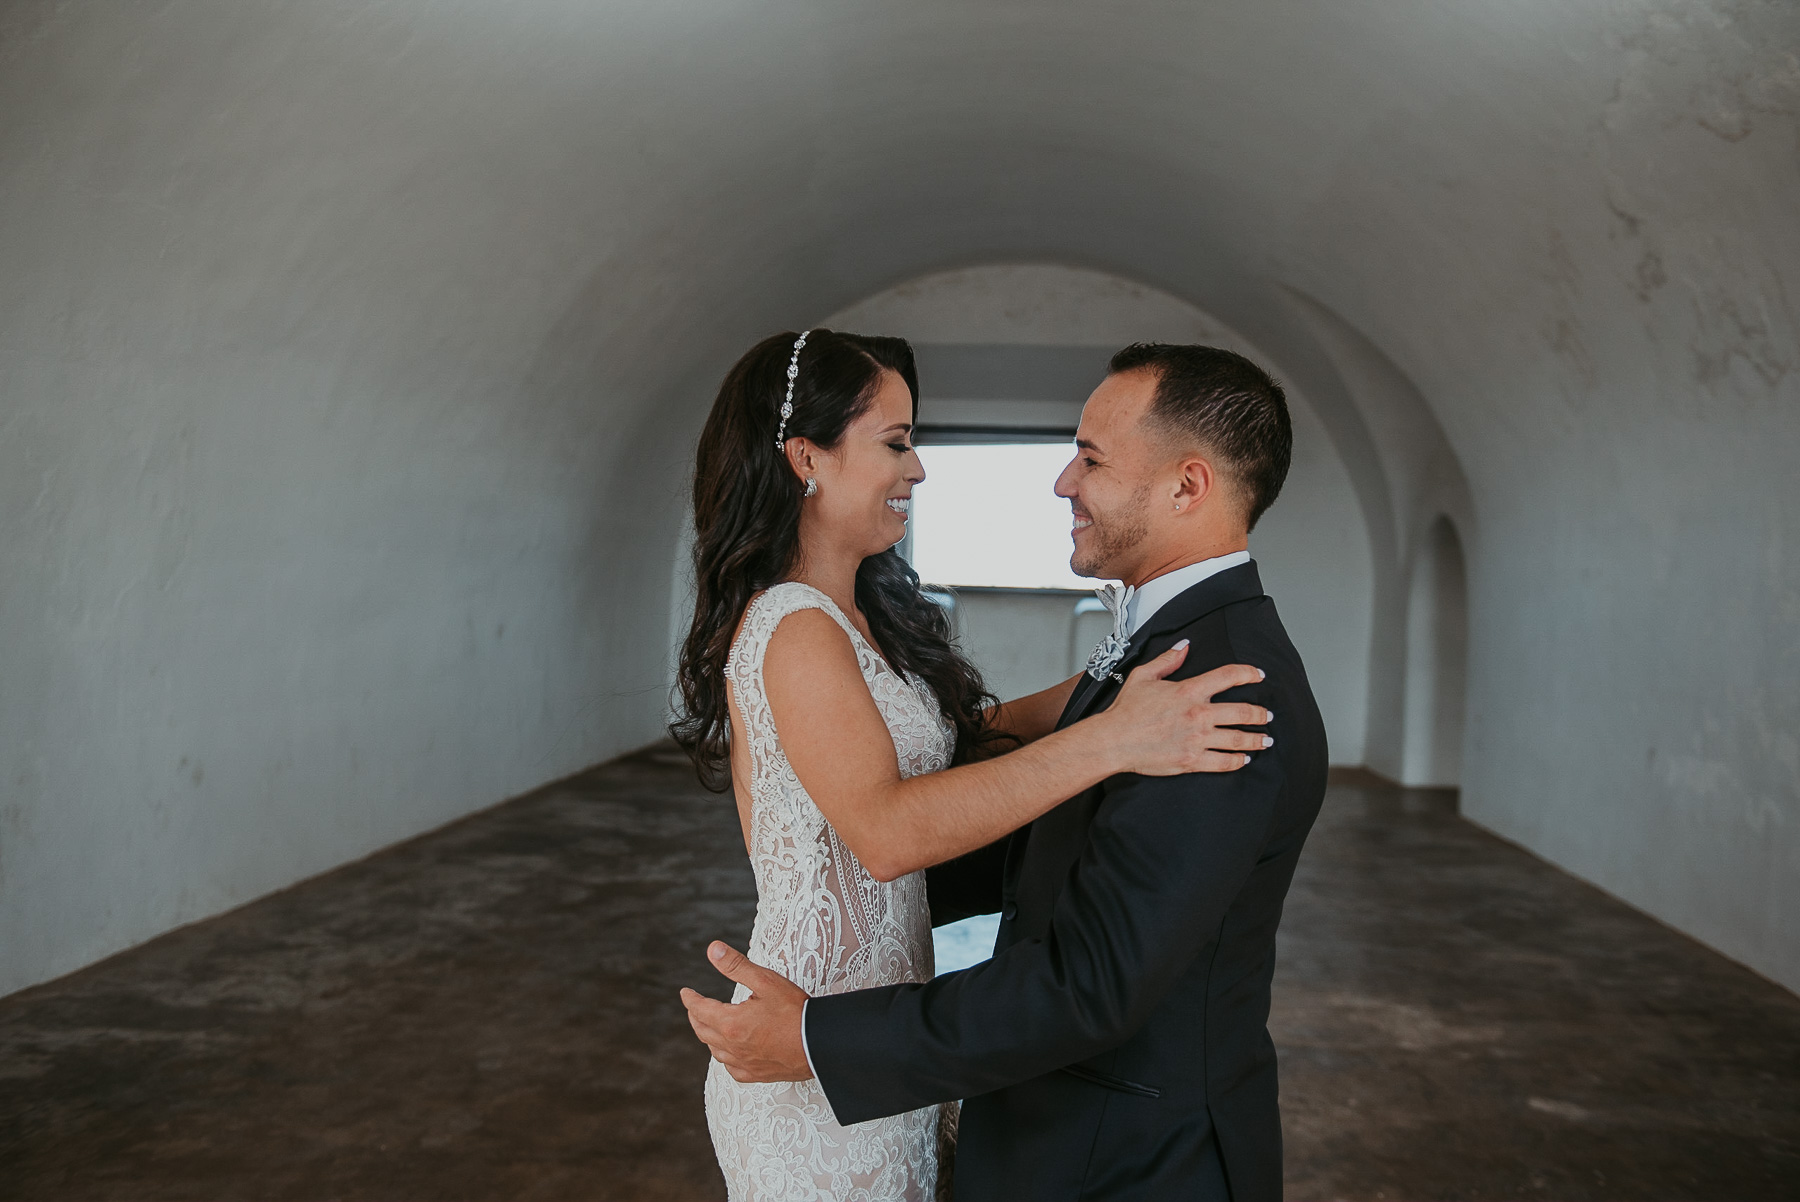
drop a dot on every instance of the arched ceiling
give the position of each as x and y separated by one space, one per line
1465 183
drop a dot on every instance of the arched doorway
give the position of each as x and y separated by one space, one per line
1437 647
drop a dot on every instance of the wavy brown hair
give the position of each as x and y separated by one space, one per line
747 538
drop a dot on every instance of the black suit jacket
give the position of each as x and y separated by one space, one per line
1116 1045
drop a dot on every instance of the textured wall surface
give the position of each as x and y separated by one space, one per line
350 353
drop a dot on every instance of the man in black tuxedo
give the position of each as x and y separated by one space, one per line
1116 1045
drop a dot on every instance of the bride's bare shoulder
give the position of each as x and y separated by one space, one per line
809 646
809 633
814 680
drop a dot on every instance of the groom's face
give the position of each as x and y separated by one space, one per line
1109 482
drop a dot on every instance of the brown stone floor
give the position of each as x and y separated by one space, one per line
489 1012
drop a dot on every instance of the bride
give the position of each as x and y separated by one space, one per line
822 685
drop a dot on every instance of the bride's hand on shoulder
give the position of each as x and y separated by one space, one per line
1168 727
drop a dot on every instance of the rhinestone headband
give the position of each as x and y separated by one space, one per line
787 406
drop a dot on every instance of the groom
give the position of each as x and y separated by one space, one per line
1115 1046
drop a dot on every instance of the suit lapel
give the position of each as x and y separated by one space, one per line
1039 855
1079 700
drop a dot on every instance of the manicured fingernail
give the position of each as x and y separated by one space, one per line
1179 646
1268 740
1261 675
716 951
1271 716
1246 762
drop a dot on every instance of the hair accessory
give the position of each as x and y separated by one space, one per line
787 406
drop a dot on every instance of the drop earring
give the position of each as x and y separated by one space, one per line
812 487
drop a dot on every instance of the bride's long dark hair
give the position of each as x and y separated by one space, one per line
747 537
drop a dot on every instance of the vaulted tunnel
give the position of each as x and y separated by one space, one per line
351 355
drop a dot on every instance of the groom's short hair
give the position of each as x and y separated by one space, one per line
1228 405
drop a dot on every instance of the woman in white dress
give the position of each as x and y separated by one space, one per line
822 686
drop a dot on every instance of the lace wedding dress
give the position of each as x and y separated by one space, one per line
827 925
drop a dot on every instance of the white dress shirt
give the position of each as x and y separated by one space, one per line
1155 593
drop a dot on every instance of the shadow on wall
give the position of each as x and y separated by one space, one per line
1437 649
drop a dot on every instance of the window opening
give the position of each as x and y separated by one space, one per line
988 516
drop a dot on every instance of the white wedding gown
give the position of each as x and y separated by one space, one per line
824 923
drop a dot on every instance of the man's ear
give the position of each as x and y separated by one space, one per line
1195 480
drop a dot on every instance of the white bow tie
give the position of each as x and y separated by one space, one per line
1112 648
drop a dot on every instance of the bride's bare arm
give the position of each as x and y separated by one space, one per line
1031 717
841 750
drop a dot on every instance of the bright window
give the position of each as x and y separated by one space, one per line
988 514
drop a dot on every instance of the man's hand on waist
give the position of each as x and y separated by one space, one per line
760 1038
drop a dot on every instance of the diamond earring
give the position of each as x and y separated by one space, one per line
812 487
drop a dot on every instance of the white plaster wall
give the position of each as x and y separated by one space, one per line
1312 552
302 547
1020 641
1032 304
1603 321
333 335
1410 477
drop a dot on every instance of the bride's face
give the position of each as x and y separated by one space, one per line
866 481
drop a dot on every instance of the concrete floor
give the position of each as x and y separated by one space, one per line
489 1012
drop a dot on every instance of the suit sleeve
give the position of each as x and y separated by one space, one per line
1164 859
968 885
